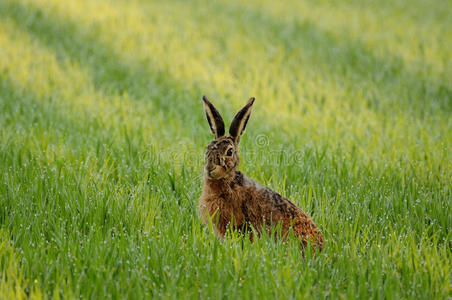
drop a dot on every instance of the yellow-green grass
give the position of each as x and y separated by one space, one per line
102 138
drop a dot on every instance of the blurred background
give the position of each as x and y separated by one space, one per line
103 134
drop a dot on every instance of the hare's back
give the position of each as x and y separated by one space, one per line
278 209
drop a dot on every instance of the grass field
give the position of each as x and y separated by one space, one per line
102 139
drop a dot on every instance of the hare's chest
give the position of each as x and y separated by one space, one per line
230 208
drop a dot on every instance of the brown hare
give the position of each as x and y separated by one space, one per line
229 198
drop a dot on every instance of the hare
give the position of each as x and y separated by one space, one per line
230 198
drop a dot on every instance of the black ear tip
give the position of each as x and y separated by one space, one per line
205 98
251 101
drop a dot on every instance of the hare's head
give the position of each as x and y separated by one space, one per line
222 155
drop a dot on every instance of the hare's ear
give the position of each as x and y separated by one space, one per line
241 118
214 118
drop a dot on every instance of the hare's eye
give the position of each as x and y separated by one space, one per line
229 153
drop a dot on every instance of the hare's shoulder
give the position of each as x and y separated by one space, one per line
247 188
241 181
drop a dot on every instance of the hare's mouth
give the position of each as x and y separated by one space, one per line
216 172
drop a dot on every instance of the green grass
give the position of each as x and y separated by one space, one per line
102 138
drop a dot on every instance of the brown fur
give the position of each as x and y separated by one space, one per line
230 198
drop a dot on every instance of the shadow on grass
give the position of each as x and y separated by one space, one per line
109 74
398 86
